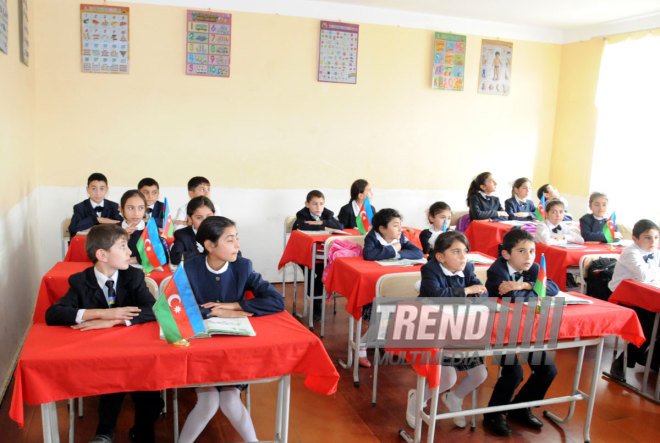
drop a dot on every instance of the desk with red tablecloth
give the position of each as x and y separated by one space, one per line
486 236
76 250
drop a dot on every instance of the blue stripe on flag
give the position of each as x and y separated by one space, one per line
367 209
188 299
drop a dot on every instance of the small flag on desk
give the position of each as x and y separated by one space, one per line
168 224
609 228
540 209
150 248
176 309
444 226
363 219
541 280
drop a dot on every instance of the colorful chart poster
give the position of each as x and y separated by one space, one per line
104 38
4 25
338 49
24 36
448 62
208 43
495 67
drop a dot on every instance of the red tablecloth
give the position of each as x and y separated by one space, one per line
76 251
633 293
300 246
55 283
413 236
485 236
59 363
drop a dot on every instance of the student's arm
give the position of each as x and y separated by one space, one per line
424 238
510 208
267 300
572 236
499 284
80 220
330 221
409 250
373 250
543 235
587 230
305 224
63 313
478 211
435 285
178 248
473 285
140 296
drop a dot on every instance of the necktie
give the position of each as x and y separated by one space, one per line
517 276
112 296
648 257
556 229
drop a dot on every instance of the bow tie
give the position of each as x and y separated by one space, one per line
556 229
648 257
518 275
149 211
99 210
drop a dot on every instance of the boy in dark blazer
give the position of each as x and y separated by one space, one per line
155 208
108 294
315 216
96 209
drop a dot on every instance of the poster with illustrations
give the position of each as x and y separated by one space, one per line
4 25
104 38
24 35
338 49
448 62
495 67
208 43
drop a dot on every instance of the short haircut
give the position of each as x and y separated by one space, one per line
552 203
97 176
642 226
542 190
358 187
384 217
436 208
212 229
198 202
147 181
446 239
515 236
103 236
131 193
196 181
314 193
595 195
518 183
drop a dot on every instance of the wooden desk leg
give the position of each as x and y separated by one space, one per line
49 423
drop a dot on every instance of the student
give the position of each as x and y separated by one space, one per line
197 186
360 190
483 204
550 192
519 207
386 240
591 225
185 246
96 209
640 262
315 216
132 206
155 208
513 274
439 216
219 279
110 293
554 231
448 274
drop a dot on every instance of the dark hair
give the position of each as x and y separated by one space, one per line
446 239
436 208
212 229
383 218
518 183
131 193
595 195
552 203
314 193
475 185
642 226
103 236
97 176
196 181
147 181
358 187
513 237
542 190
198 202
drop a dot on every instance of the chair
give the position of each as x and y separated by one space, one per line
152 286
288 227
457 215
163 283
625 231
482 273
585 263
66 236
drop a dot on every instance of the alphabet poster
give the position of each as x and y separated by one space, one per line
4 25
448 61
338 49
208 43
495 67
104 39
23 32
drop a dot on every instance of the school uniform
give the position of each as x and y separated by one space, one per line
485 207
546 232
500 271
428 237
229 284
591 228
376 248
86 212
438 281
156 211
185 246
327 217
182 215
514 204
135 237
348 213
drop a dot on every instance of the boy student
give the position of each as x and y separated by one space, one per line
551 192
641 262
110 293
96 209
513 274
150 189
197 186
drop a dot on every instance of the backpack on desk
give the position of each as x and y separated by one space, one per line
598 276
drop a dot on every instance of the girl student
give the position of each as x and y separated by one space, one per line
219 279
591 225
483 204
554 231
439 216
519 207
185 246
360 190
448 274
133 207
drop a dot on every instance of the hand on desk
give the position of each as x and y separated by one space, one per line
508 286
226 310
121 314
97 324
521 214
475 290
106 220
503 214
314 222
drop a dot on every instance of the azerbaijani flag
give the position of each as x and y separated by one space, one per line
168 225
541 280
152 253
609 228
363 219
540 209
444 226
176 309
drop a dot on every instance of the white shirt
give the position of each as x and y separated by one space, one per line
101 279
356 208
96 205
631 265
383 242
545 235
512 272
219 271
448 273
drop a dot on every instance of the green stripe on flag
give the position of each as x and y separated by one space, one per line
359 225
539 288
146 264
607 233
166 320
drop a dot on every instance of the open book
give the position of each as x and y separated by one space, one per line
401 262
224 326
324 232
479 259
570 299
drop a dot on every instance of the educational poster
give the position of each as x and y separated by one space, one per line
448 61
24 34
338 49
4 25
208 43
104 38
495 67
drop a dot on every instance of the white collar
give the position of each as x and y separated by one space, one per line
550 225
599 218
101 278
484 195
448 273
213 271
140 226
382 241
511 270
356 208
520 202
96 205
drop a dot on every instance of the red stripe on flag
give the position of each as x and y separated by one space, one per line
149 249
178 311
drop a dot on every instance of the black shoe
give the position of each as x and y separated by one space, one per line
496 424
525 418
617 371
101 438
135 438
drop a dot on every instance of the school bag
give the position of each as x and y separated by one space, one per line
598 276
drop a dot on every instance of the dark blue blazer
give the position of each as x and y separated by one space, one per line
84 216
347 216
184 245
485 208
424 237
511 206
238 278
157 213
592 229
327 217
436 284
499 272
132 245
85 293
373 250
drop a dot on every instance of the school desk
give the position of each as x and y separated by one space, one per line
59 363
486 236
